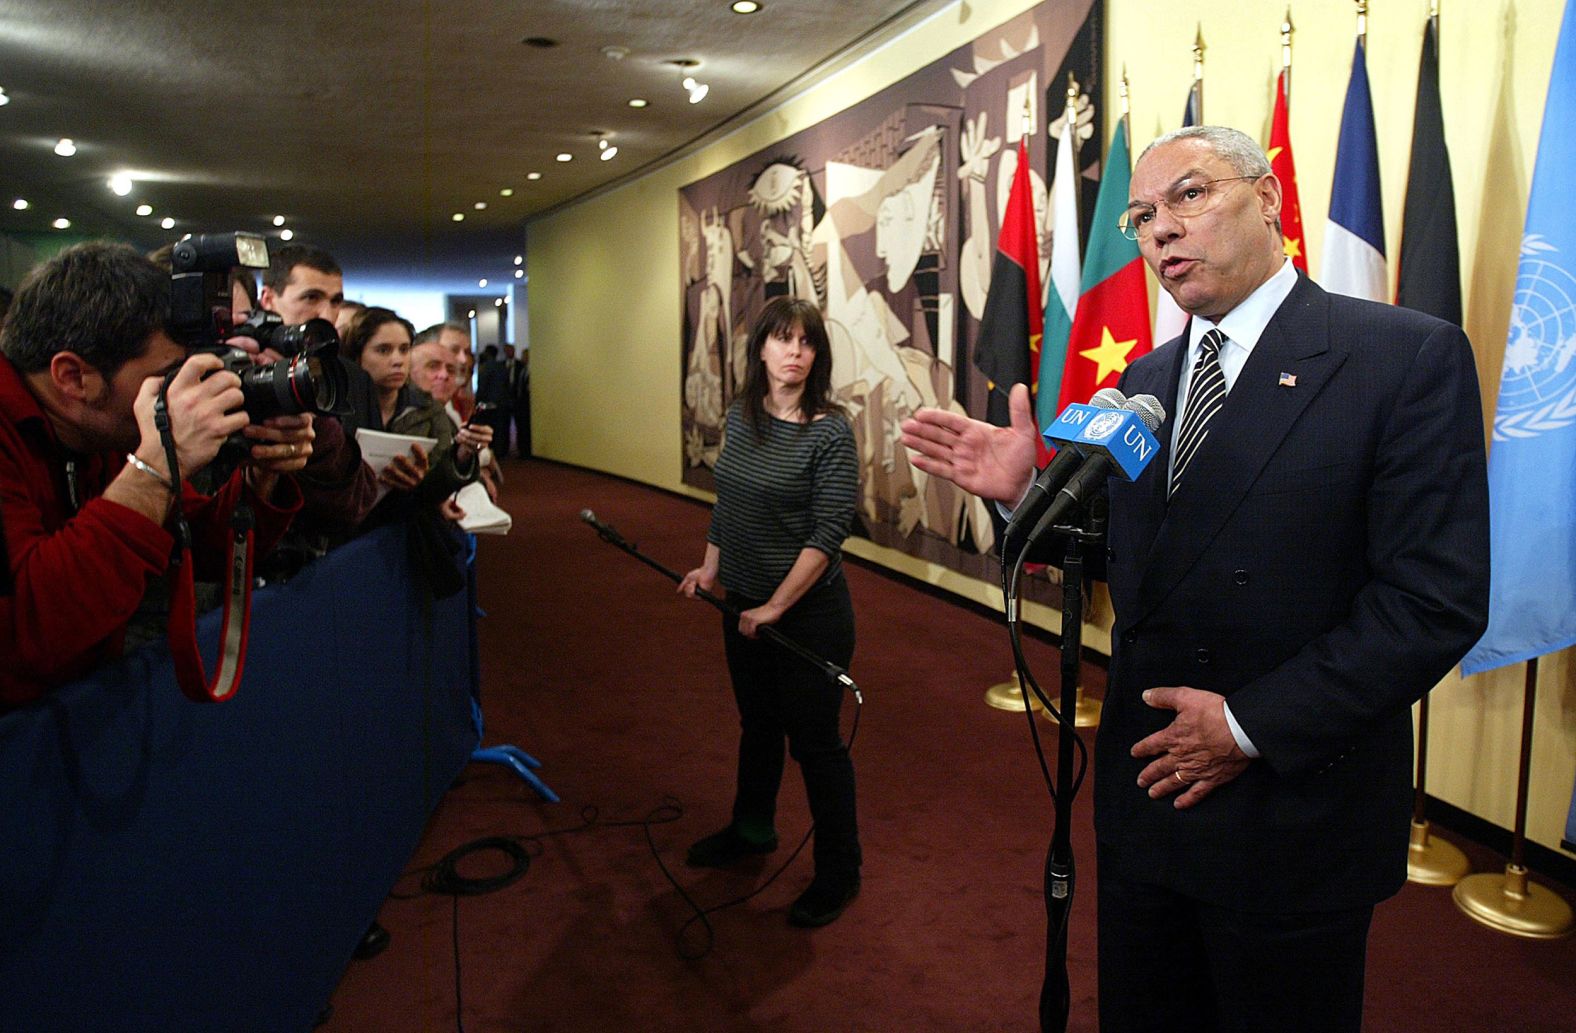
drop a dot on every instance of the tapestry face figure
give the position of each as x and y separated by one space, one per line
787 482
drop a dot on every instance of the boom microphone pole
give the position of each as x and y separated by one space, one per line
610 534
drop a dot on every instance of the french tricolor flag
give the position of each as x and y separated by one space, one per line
1354 236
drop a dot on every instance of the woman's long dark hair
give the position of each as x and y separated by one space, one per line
781 316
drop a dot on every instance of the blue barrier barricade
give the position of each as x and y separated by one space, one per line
167 865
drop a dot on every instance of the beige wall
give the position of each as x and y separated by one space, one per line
605 294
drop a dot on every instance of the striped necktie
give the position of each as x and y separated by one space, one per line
1206 393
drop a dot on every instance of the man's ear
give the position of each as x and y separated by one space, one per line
76 378
266 298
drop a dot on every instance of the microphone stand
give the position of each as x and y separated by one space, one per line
608 533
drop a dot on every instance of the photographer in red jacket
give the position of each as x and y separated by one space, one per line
85 491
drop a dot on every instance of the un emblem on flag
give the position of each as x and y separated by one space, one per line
1537 391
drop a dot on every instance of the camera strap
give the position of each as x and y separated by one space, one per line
189 670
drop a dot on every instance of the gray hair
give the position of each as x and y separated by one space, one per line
1234 147
433 332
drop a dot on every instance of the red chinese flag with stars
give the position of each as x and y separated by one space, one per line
1286 171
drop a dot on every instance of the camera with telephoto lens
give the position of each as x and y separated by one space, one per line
309 378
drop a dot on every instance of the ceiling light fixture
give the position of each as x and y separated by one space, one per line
20 204
62 223
745 6
533 176
480 206
565 156
471 314
697 89
638 102
519 274
506 192
120 183
497 303
458 216
145 210
615 53
519 259
4 99
287 234
279 220
66 147
168 223
482 282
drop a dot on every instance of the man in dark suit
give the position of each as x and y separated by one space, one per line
1306 557
494 397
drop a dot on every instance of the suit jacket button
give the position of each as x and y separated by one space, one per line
1202 656
1110 554
1129 637
1239 576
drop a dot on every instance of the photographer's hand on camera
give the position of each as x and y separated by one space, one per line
281 445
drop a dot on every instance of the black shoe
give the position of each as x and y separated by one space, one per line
373 942
827 897
323 1016
721 849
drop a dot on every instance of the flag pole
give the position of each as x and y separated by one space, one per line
1362 23
1010 695
1198 71
1122 92
1509 903
1429 861
1287 28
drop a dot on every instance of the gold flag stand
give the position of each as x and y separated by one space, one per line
1509 903
1429 862
1009 695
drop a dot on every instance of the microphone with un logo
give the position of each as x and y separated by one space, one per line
1113 442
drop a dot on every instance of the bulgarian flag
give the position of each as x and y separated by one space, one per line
1008 348
1111 325
1286 171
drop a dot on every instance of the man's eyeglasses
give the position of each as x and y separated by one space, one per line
1187 200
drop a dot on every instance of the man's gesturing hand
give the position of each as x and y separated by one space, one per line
991 462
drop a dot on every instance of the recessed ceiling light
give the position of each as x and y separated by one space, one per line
519 274
145 209
608 153
506 192
20 204
497 303
458 216
565 156
120 183
533 176
480 206
638 102
279 220
4 100
745 6
519 259
615 53
168 223
471 314
286 234
61 224
482 282
66 147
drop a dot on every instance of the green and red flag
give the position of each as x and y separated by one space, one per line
1008 348
1111 326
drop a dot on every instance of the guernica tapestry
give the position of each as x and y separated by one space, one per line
886 216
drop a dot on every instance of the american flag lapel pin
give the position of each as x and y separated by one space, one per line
1288 380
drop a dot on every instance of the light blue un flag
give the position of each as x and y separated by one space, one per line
1532 461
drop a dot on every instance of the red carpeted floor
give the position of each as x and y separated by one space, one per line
591 663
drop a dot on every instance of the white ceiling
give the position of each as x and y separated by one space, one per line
368 123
